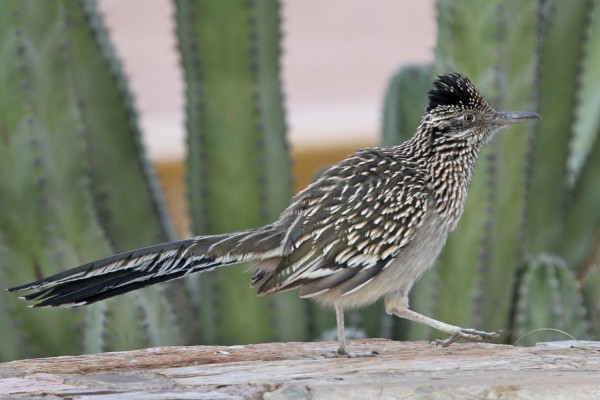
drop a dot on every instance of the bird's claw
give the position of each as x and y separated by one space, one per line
469 334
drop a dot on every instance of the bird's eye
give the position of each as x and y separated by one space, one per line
469 118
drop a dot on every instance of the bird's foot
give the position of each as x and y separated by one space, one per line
469 334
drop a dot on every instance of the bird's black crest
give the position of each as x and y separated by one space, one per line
454 92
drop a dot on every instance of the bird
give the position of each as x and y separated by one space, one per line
367 228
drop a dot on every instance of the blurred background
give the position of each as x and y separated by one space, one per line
337 60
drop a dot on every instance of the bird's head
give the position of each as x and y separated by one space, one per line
457 111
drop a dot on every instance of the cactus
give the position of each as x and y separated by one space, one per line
404 104
547 301
239 169
581 219
146 216
93 56
580 246
564 164
564 32
508 165
71 173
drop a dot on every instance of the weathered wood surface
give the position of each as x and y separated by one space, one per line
299 371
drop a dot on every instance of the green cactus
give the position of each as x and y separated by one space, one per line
507 165
582 220
404 104
239 170
564 170
70 174
580 246
145 216
548 302
564 30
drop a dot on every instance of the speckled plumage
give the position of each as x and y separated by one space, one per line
366 228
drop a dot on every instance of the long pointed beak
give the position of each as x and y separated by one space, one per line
513 117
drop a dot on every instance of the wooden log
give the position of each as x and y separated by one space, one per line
569 370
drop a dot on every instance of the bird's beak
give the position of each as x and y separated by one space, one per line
509 118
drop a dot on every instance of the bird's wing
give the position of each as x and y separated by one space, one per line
350 224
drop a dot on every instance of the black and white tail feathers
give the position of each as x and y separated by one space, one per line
122 273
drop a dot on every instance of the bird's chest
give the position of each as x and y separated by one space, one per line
449 190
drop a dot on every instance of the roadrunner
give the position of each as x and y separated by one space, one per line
366 228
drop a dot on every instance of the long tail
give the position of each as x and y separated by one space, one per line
122 273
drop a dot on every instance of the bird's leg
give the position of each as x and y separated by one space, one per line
339 317
397 304
341 334
341 351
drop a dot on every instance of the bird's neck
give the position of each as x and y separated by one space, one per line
449 163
